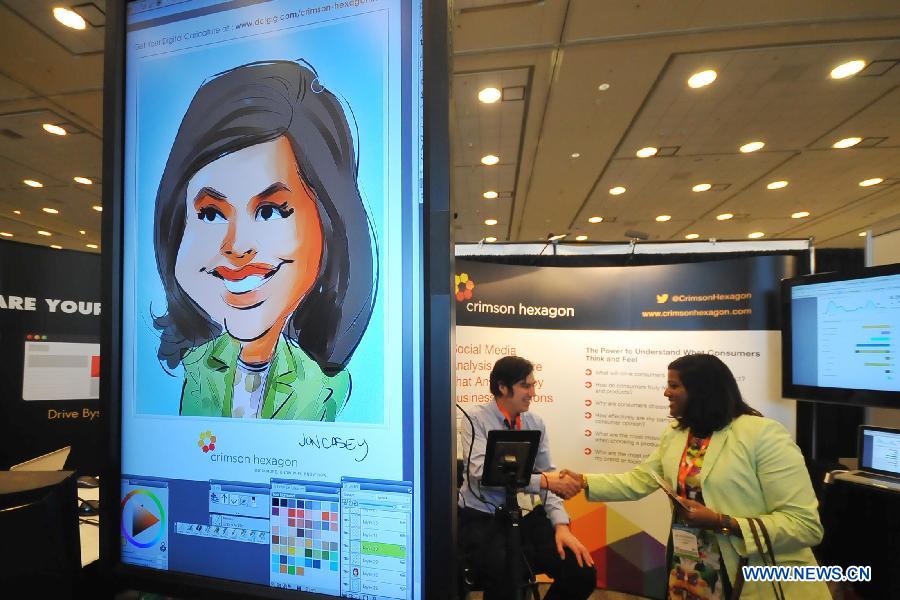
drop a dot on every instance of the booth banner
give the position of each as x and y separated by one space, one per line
49 354
601 339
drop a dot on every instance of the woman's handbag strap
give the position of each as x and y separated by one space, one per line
767 553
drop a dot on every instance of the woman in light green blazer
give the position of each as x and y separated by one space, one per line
749 467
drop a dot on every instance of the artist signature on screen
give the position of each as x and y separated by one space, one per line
359 448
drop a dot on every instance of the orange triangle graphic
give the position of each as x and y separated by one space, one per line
142 520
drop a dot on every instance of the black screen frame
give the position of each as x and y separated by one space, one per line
860 443
438 427
830 395
499 441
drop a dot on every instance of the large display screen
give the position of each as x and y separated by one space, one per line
271 293
842 336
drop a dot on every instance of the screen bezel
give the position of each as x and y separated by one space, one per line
524 443
860 444
831 395
437 509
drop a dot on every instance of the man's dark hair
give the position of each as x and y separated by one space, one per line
248 105
509 371
713 397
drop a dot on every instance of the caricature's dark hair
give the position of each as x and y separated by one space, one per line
509 371
713 397
249 105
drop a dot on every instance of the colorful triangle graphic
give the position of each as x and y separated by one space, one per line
619 527
142 520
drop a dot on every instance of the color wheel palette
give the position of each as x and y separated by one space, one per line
142 520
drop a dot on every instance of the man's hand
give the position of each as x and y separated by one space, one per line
698 515
574 475
563 486
566 539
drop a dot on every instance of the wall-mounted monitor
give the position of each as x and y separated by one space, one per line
841 335
268 286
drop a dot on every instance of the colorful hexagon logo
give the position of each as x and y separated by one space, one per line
207 441
464 287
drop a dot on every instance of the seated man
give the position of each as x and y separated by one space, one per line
547 543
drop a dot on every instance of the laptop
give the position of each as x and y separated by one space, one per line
879 458
52 461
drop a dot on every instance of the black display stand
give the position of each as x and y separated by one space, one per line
509 461
862 527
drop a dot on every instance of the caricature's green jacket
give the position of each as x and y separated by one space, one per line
296 388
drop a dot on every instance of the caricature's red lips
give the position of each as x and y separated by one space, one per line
229 274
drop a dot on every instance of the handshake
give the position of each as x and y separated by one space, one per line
564 483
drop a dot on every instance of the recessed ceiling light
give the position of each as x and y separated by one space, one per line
701 79
847 142
756 235
56 246
724 216
6 234
873 181
490 239
800 215
490 194
69 18
862 234
847 69
94 246
646 152
54 129
701 187
557 237
50 211
580 238
82 231
617 191
603 87
752 147
692 236
776 185
42 232
575 155
83 180
490 221
663 218
489 95
490 159
97 208
595 220
18 212
32 183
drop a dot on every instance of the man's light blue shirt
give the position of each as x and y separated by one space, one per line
486 418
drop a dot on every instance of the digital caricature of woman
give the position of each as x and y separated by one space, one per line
264 247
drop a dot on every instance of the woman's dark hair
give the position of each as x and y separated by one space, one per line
249 105
509 371
713 397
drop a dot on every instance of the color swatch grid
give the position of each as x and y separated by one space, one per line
305 537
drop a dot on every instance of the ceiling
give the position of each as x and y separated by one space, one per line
50 74
568 142
551 58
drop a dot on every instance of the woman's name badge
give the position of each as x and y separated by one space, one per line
685 542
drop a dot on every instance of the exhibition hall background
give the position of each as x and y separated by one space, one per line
582 89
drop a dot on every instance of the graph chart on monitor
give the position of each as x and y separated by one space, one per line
856 338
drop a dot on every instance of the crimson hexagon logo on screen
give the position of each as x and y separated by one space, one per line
207 442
